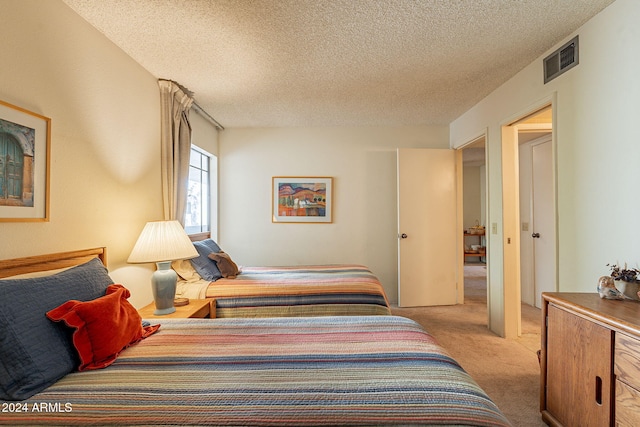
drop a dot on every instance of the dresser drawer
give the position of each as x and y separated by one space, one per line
627 402
627 360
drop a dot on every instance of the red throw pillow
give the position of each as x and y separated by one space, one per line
103 327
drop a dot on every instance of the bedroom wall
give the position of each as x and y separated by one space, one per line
472 179
362 163
105 133
597 150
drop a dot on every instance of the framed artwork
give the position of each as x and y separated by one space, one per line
302 199
25 146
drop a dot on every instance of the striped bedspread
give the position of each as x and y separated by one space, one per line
320 290
351 370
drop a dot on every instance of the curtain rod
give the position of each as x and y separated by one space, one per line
198 109
195 105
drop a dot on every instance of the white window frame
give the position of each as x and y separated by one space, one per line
212 194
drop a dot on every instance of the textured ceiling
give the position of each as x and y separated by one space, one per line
270 63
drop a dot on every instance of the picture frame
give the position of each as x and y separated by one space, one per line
25 149
298 199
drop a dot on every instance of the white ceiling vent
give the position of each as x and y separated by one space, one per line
561 60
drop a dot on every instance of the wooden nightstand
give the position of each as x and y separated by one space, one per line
197 308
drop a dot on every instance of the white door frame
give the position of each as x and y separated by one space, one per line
511 214
511 233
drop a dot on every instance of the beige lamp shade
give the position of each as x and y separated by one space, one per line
162 241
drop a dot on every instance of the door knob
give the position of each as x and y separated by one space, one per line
536 235
403 236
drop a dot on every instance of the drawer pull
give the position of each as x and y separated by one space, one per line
599 390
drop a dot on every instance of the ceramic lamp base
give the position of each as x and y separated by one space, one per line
163 286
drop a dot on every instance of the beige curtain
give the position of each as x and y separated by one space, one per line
175 135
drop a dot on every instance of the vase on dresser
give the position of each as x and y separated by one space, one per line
629 289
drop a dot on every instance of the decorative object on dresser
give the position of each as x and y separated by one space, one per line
607 288
163 242
628 279
589 360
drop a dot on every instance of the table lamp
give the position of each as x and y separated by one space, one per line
162 242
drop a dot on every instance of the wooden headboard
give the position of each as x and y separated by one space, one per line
32 264
199 236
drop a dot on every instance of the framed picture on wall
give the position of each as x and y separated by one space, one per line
302 199
25 146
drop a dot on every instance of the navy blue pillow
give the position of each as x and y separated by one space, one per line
205 266
36 352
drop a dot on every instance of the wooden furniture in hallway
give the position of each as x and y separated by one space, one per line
480 239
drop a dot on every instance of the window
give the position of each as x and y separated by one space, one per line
202 172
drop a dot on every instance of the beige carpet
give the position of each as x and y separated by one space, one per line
507 370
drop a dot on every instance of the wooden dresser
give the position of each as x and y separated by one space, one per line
590 361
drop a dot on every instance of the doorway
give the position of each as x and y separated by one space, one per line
537 218
473 191
528 169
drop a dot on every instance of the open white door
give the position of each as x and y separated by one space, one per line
427 238
544 232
